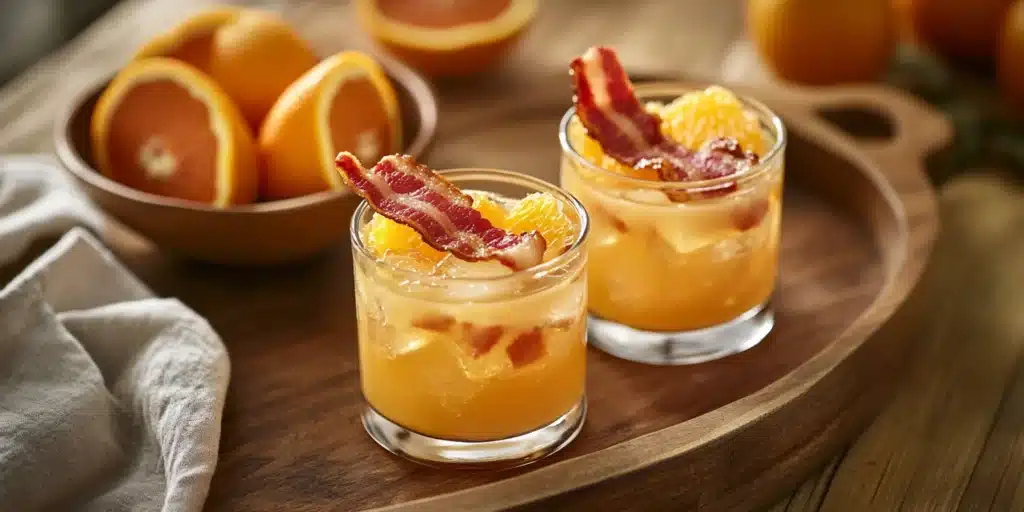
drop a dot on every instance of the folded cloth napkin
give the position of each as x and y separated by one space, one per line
110 398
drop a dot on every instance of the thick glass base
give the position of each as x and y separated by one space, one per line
686 347
498 454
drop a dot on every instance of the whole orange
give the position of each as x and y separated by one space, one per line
255 58
1010 62
960 30
819 43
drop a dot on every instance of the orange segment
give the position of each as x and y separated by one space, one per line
190 40
696 117
345 103
542 212
446 38
489 208
163 127
255 58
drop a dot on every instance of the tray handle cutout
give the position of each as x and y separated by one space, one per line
888 124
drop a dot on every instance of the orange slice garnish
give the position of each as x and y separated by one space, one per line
384 236
345 103
164 127
253 54
446 38
699 116
542 212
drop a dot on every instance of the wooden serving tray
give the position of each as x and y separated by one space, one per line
858 226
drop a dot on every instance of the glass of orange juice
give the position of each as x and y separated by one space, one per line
681 271
473 363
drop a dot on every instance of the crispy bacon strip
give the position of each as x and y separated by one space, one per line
612 115
407 192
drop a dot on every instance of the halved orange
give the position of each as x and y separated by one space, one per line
163 127
345 103
191 40
253 54
451 38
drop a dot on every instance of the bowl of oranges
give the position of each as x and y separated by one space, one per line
216 141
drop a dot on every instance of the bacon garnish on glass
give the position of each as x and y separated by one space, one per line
612 115
409 193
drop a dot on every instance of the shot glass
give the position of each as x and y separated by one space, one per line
679 272
431 396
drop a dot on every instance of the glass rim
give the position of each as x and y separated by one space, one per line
644 91
513 177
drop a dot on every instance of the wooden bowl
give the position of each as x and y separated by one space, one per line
253 234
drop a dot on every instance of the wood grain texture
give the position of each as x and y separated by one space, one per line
808 497
700 31
923 453
950 439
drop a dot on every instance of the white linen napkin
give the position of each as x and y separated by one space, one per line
110 398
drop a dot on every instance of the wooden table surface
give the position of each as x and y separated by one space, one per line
953 436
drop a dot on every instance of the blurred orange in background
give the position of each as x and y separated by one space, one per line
816 42
821 43
451 38
966 31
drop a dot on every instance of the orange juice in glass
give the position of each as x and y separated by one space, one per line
684 190
471 312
